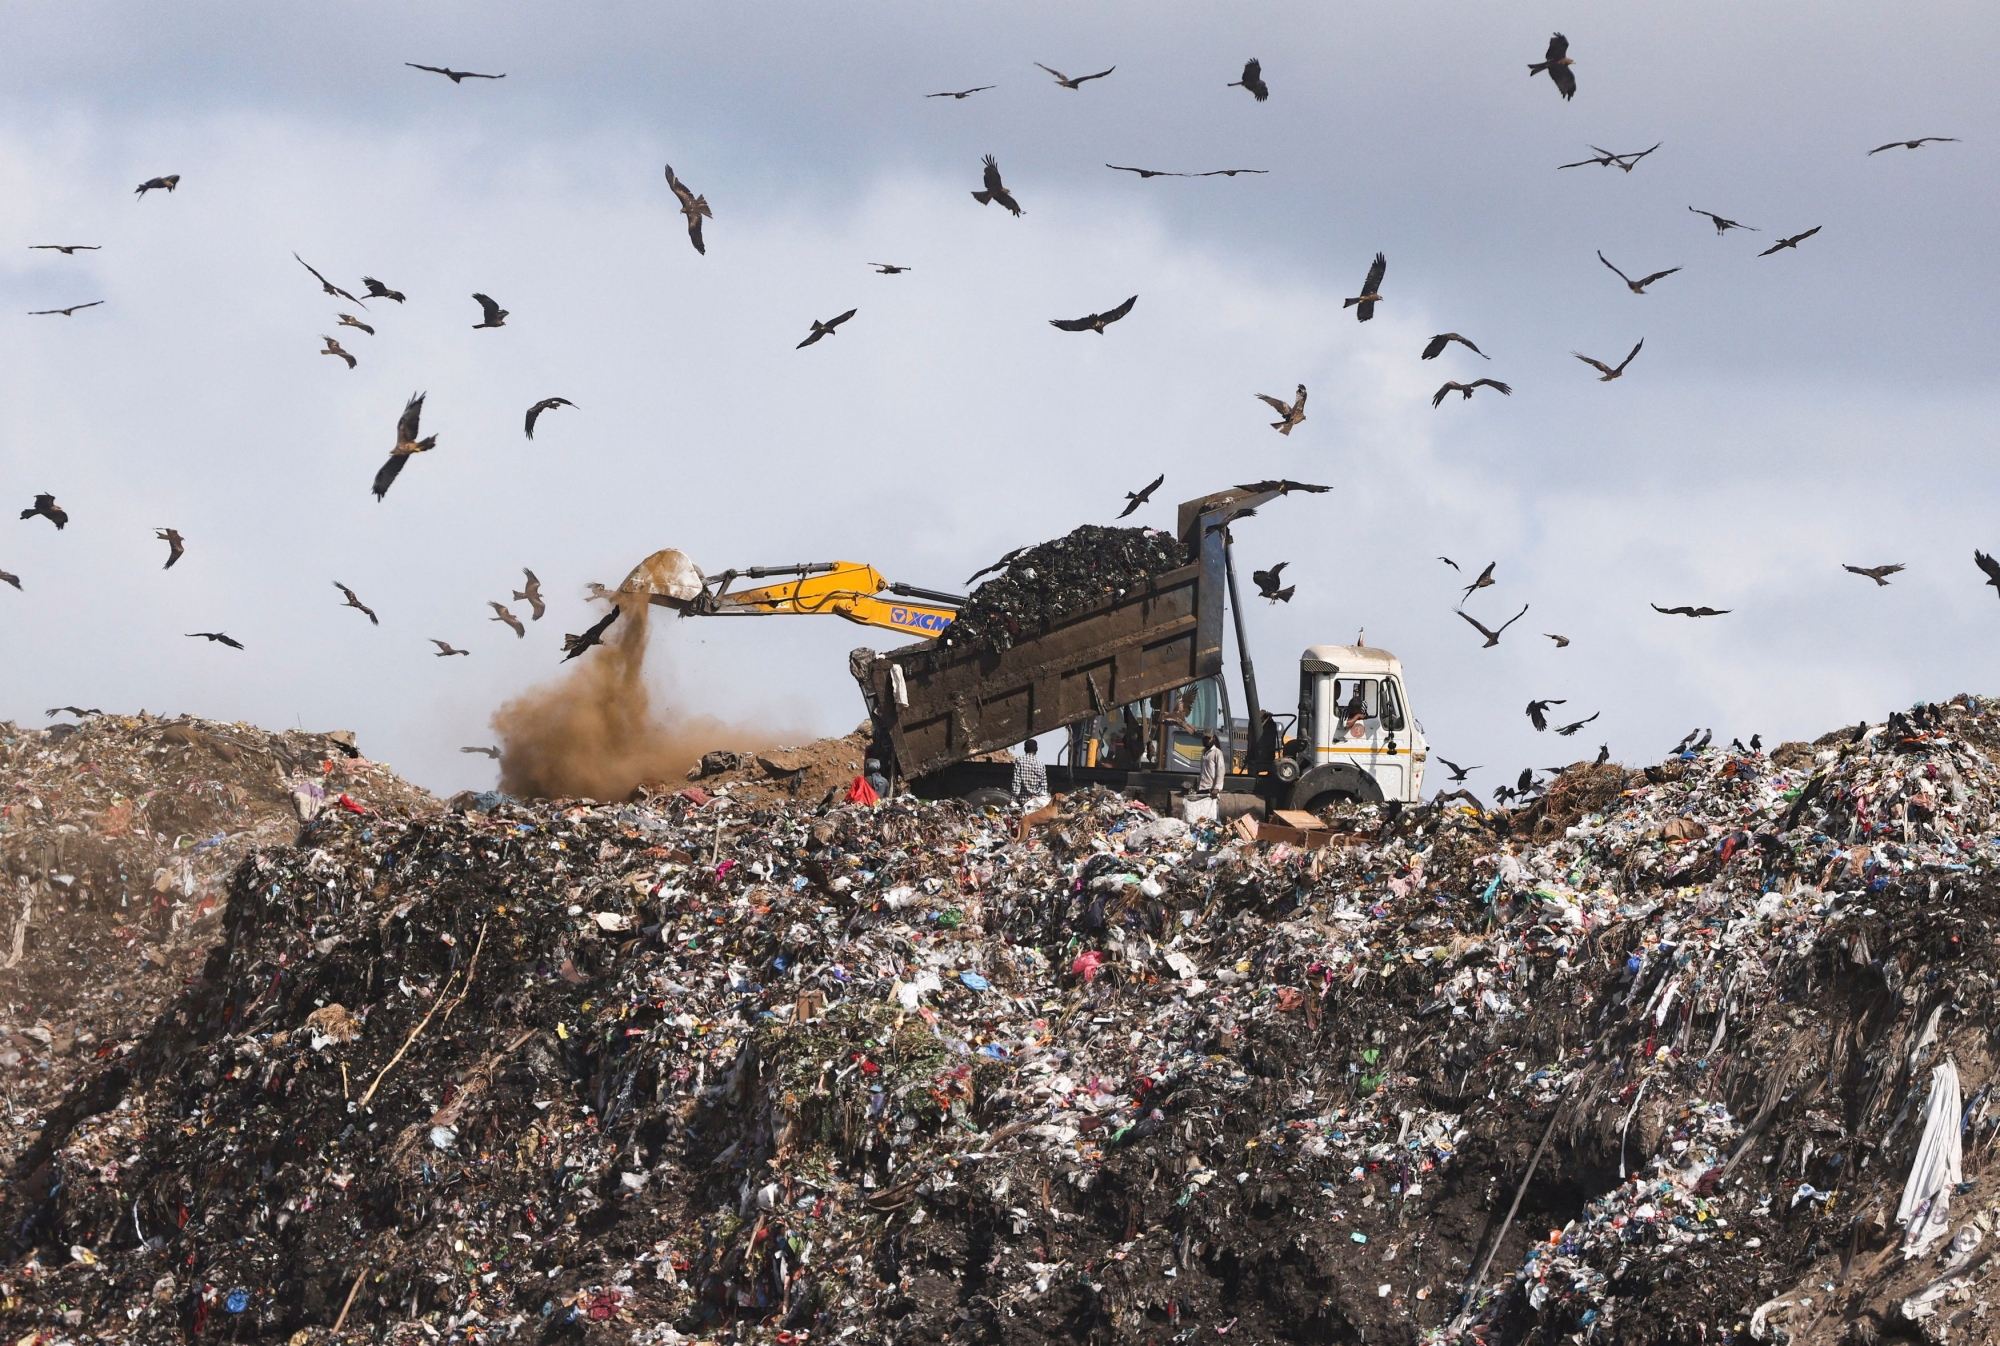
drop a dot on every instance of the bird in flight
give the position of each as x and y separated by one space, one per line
962 93
1371 290
1134 499
1293 412
1610 159
694 207
1636 286
1791 242
66 312
1685 611
1465 389
1435 346
1000 564
1095 322
349 320
1458 773
407 443
77 711
1990 566
494 753
823 329
546 404
1155 172
1448 561
995 189
1253 80
1484 581
1538 712
169 182
1224 172
495 316
215 638
532 595
1284 487
1607 372
1066 82
1723 226
354 601
1918 143
1493 637
66 249
503 614
335 348
175 545
1267 584
6 578
888 268
1880 574
1569 729
445 651
574 645
45 505
377 290
455 76
1560 67
326 286
1562 642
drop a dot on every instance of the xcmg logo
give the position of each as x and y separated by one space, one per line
919 621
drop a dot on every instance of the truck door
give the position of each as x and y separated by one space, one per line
1367 729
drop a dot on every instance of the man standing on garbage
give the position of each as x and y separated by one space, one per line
1031 779
1264 749
1201 802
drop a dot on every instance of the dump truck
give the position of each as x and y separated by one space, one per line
1122 691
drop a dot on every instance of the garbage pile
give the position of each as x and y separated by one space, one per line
690 1070
1046 583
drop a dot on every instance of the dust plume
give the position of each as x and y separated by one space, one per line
593 732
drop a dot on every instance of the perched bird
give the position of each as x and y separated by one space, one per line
1606 370
354 601
1636 286
1562 642
7 578
995 189
575 645
1485 580
823 329
1465 390
1284 486
546 404
1493 637
377 290
455 76
1253 80
1685 611
349 320
326 286
1458 773
1134 499
1918 143
504 615
1603 754
962 93
1538 712
1095 322
495 316
1879 574
1000 564
66 312
1435 346
445 651
45 505
169 182
175 545
695 208
1293 413
66 249
888 268
1267 584
1859 732
532 595
407 443
77 711
1570 729
1791 242
1066 82
1558 63
1371 290
215 638
1723 226
1153 172
1979 558
1226 172
494 753
1756 743
1448 561
335 348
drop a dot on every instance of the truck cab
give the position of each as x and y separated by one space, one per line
1354 737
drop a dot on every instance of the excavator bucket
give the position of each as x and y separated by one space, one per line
668 578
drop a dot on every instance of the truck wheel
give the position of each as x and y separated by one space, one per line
988 797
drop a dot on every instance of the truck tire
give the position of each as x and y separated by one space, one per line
1331 782
988 797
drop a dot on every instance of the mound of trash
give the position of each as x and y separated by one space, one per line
1699 1058
1046 583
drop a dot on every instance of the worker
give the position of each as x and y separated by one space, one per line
877 781
1264 750
1031 779
1204 800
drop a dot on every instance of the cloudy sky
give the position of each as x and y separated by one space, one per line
1788 413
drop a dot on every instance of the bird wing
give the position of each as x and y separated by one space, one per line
1989 565
1558 47
1490 635
434 69
1796 240
1516 617
1890 146
413 412
1252 70
1657 275
1682 611
1099 75
1565 79
309 266
388 472
1614 270
1074 324
1448 561
533 412
1057 73
1282 408
1115 314
991 176
1146 493
832 323
490 309
694 234
1448 388
1435 347
1579 164
678 188
1628 358
1495 384
1376 269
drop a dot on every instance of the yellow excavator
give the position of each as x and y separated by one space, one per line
840 588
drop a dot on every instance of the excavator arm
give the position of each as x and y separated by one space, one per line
846 589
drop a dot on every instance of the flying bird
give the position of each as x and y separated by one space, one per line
66 249
995 189
1066 82
45 505
1538 712
1139 497
1918 143
1569 729
888 268
455 76
1155 172
349 320
495 315
377 290
1253 80
1636 286
1284 486
215 638
823 329
1980 559
1526 782
175 545
1493 637
1293 413
504 615
1685 611
1458 773
169 182
1610 159
1465 389
77 711
494 753
1558 63
532 595
1000 564
6 578
445 651
546 404
66 312
1562 642
326 286
1435 346
1791 242
407 443
1371 290
694 207
1723 226
962 93
575 645
354 601
335 348
1095 322
1448 561
1225 172
1267 584
1485 580
1879 574
1608 372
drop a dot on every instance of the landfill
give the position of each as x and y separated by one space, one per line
1695 1053
1045 583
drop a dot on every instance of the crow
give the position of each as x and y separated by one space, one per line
66 249
575 645
1485 580
1458 773
1636 286
1526 782
377 290
1371 290
1603 754
1703 741
407 443
1918 143
45 505
1095 322
1685 611
1723 226
349 320
995 189
326 286
1791 242
888 268
1253 80
66 312
823 329
1066 82
1859 732
546 404
1606 370
962 93
445 651
532 595
494 753
455 76
1562 642
1493 637
169 182
1448 561
354 601
335 348
495 316
1569 729
1558 63
175 547
1142 495
1267 584
694 207
1293 412
1877 573
1465 390
508 617
1756 743
215 638
1538 712
1155 172
1435 347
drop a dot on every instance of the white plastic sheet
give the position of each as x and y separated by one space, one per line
1925 1211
